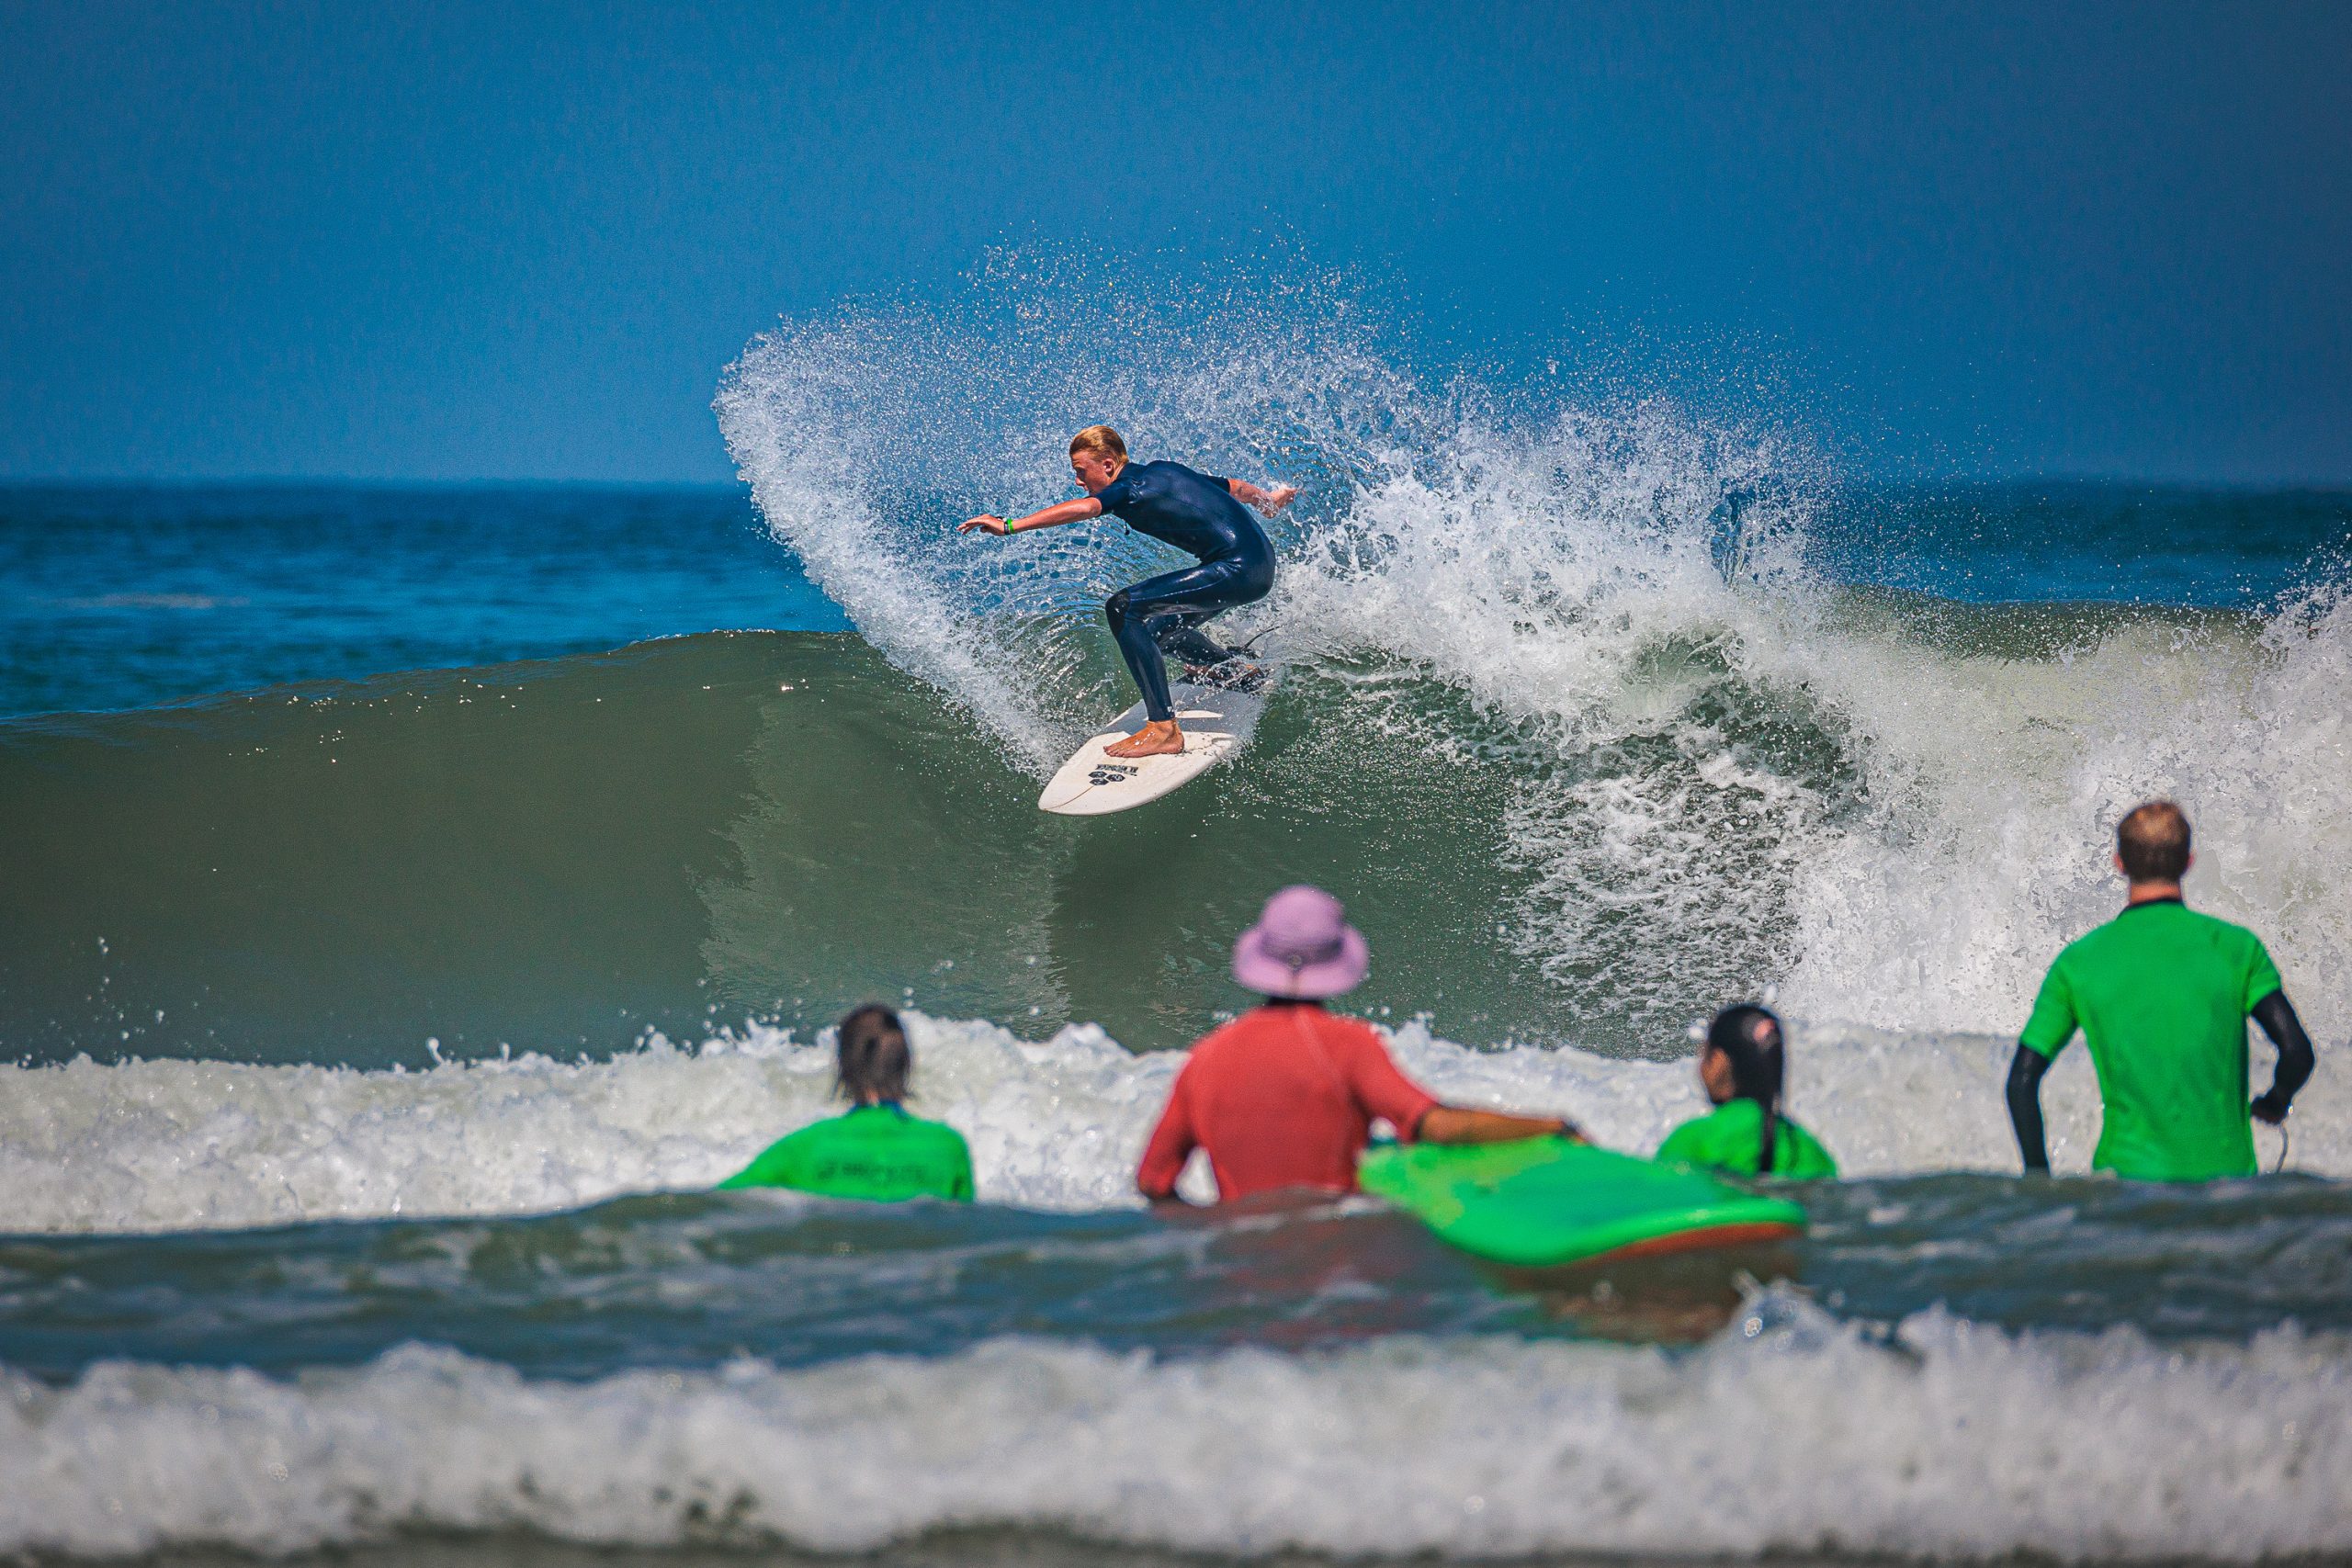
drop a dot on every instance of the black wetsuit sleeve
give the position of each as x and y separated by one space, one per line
2296 1057
2025 1107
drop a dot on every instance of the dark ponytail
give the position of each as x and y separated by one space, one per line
873 1061
1751 1036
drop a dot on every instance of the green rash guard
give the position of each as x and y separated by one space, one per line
876 1152
1727 1139
2162 993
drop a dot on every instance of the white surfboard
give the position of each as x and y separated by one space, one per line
1215 725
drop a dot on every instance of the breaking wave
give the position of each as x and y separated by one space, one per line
1789 1433
1723 768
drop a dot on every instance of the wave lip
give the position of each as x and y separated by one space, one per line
1787 1433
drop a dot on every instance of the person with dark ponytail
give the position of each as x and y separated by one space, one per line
1741 1066
874 1151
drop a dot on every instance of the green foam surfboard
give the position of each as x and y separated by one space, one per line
1542 1202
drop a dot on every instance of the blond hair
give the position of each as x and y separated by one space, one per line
1101 439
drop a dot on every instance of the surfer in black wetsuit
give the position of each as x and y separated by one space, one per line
1192 511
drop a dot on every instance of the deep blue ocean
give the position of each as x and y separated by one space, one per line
129 596
412 899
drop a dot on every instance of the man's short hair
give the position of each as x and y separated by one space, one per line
1102 439
2152 841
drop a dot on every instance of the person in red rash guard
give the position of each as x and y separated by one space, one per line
1285 1095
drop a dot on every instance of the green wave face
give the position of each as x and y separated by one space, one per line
1894 817
560 856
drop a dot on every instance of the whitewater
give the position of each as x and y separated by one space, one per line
1054 1125
1944 1441
1957 1367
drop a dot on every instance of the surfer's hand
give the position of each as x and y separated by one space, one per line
2268 1108
1280 497
985 525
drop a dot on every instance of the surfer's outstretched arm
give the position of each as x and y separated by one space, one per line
1078 511
1266 501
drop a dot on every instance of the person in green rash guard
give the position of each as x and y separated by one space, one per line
2162 995
1742 1068
875 1150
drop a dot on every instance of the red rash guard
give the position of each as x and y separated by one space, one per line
1283 1096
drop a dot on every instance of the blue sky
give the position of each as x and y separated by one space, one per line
514 241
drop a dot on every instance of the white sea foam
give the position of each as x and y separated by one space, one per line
1736 776
1788 1434
1058 1124
2002 777
805 415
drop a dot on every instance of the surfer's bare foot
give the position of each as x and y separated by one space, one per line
1159 738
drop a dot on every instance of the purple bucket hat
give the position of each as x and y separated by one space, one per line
1301 947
